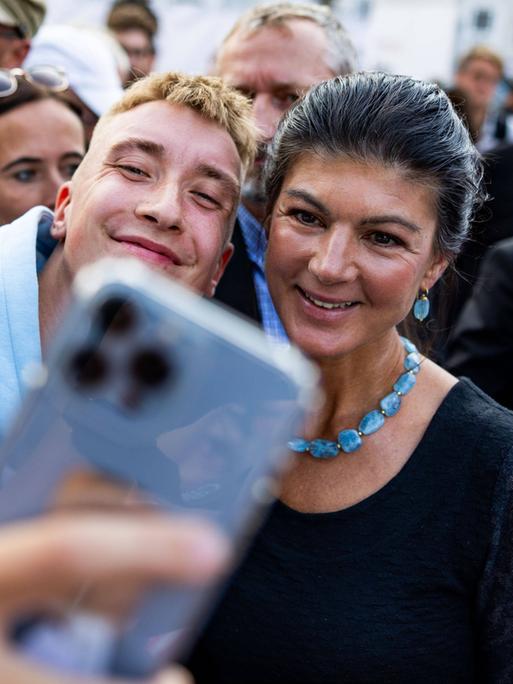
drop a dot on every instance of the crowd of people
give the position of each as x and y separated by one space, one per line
362 217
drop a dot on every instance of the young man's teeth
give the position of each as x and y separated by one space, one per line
328 305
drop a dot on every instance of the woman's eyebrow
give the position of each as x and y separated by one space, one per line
309 199
21 160
392 218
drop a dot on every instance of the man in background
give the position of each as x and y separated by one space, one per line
19 21
134 25
478 74
273 54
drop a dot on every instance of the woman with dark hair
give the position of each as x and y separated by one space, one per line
389 557
41 140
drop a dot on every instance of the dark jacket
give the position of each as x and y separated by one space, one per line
481 344
236 288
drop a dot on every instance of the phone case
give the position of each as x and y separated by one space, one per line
170 393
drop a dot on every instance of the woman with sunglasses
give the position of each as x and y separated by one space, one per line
389 558
41 139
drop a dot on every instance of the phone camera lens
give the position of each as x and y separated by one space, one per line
88 368
150 368
117 316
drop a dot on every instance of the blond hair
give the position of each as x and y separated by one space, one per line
486 54
207 95
341 52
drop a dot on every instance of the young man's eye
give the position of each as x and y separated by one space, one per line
206 198
25 175
133 170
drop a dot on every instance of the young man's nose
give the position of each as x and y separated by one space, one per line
162 205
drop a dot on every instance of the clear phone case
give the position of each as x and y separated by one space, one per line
188 404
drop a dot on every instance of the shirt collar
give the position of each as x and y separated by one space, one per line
254 235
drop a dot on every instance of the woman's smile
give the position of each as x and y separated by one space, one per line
350 244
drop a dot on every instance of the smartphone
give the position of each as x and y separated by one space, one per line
183 402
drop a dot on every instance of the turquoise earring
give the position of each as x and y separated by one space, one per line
421 306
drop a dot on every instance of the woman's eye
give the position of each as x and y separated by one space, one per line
25 175
384 239
305 217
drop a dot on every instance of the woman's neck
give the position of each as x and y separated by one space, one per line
354 384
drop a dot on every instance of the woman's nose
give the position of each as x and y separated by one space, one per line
335 259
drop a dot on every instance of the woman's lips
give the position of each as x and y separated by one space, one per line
326 307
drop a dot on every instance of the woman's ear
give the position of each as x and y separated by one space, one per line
62 204
435 271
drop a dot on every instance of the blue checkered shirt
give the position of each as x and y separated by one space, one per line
256 244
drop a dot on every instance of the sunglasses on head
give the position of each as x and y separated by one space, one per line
51 77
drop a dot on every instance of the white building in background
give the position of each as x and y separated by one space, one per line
425 38
422 38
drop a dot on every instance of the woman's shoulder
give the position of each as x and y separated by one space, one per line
469 419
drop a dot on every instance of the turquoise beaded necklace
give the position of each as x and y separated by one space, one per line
351 439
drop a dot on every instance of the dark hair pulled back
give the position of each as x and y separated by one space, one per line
394 121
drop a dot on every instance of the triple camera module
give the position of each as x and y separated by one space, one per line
117 347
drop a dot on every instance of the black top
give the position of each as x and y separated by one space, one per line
413 584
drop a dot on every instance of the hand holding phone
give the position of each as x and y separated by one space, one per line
45 563
184 404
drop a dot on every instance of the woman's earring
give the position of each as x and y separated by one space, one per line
421 306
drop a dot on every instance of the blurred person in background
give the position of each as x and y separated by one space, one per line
19 22
41 139
476 80
89 61
134 25
480 345
273 54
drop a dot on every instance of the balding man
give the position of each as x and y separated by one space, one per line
273 54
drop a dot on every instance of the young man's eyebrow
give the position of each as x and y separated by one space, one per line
231 185
138 144
21 160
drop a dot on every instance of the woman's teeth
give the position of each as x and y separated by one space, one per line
329 305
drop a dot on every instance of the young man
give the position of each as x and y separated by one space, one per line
160 182
264 56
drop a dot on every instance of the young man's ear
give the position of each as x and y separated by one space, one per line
223 263
62 205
